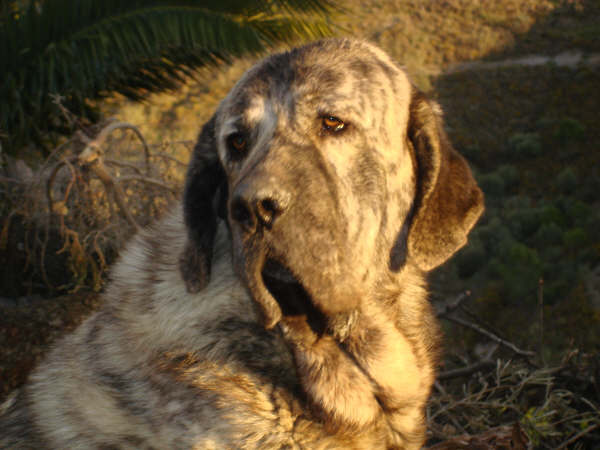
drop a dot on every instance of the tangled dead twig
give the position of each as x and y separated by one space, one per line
535 405
478 409
82 205
93 148
92 156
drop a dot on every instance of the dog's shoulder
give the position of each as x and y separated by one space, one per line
153 347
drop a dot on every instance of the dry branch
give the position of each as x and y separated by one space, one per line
87 204
451 305
578 436
170 158
116 163
151 181
447 311
466 371
111 185
489 334
93 146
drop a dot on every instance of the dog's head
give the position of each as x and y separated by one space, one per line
331 170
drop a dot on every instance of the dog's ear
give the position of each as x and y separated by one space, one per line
448 201
205 177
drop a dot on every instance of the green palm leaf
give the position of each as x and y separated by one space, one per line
86 49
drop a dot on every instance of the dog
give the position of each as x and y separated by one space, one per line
282 303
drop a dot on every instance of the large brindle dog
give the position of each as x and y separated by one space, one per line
282 305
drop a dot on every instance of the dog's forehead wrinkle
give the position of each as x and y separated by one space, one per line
332 84
230 125
343 90
266 124
274 100
361 68
287 102
255 110
323 77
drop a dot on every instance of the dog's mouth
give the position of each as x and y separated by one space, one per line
291 296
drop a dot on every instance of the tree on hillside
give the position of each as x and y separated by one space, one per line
67 52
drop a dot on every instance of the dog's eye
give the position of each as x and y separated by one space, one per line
332 123
237 143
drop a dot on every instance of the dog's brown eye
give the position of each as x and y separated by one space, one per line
332 123
237 142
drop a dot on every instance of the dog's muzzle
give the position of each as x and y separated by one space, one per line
257 209
253 207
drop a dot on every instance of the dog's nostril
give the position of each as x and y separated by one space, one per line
254 208
267 210
242 214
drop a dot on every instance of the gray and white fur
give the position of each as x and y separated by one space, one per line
282 304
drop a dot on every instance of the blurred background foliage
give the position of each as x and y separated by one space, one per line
80 51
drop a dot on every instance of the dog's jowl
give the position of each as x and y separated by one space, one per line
282 303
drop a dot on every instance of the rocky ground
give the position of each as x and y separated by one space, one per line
28 325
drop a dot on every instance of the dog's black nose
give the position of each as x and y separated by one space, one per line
251 208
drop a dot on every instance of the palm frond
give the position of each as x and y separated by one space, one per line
82 50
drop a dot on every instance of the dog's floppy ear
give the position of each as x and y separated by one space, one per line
204 178
448 201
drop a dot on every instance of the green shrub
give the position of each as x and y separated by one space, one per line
575 238
516 202
519 268
524 222
568 130
548 234
492 184
552 253
494 235
509 174
579 213
471 151
520 254
567 180
472 258
525 144
551 214
592 222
